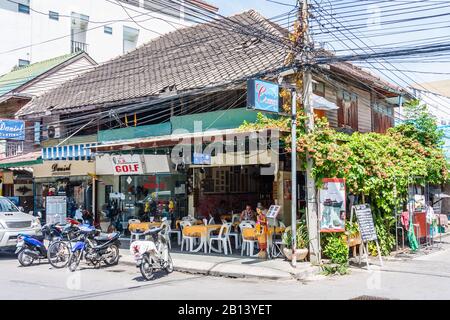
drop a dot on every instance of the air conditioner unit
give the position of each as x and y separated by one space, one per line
53 132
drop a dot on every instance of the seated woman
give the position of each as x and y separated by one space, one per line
248 214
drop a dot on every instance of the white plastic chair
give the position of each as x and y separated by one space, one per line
233 234
222 238
211 220
188 239
134 235
174 231
247 244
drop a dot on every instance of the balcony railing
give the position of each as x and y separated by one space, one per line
78 46
14 148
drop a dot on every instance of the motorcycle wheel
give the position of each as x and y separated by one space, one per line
146 268
24 259
58 254
74 261
113 252
169 264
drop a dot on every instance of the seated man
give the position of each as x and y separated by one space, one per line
248 214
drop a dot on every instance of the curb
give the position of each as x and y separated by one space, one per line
235 271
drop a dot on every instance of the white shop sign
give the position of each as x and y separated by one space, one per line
147 164
127 164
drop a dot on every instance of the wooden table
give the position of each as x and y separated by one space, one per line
204 232
143 226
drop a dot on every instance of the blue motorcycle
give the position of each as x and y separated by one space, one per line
31 248
95 249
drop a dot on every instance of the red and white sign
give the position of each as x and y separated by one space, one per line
127 164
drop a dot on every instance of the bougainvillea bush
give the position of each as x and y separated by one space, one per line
377 167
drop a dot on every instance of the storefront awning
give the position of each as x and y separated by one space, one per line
174 139
21 161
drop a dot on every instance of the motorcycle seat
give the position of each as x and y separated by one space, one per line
106 236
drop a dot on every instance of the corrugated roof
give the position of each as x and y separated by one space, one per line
17 78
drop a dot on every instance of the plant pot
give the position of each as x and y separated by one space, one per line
300 253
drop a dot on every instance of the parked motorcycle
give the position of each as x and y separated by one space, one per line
58 252
31 248
152 254
95 249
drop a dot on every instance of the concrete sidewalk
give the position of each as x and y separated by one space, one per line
236 267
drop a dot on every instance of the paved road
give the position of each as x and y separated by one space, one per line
426 277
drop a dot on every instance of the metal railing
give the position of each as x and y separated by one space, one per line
78 46
14 149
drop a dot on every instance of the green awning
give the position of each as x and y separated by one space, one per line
23 160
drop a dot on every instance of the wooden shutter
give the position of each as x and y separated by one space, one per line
340 111
353 114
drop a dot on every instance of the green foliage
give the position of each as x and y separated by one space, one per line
352 229
385 228
335 248
302 236
377 166
420 125
332 269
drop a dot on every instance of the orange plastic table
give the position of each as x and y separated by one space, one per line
203 231
143 226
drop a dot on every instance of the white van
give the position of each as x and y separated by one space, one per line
13 222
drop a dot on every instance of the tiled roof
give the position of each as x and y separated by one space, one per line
195 57
17 78
202 56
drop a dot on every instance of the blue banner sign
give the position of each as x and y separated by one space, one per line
263 95
12 129
201 158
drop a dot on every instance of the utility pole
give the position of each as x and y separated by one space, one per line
312 216
294 177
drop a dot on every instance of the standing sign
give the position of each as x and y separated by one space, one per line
127 164
56 209
366 228
273 211
263 95
332 205
12 129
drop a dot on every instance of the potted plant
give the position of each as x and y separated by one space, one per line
301 250
352 234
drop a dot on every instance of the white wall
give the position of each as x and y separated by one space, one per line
62 75
19 30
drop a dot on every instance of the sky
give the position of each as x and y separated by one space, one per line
410 72
270 9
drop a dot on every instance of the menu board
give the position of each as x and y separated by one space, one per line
365 221
56 209
273 211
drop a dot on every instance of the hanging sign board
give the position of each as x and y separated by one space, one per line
127 164
332 205
12 129
201 158
263 96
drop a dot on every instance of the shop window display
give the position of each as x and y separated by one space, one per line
153 197
76 192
